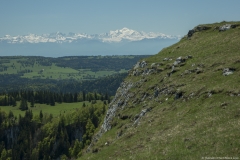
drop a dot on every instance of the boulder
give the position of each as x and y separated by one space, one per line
143 64
156 92
178 95
136 72
224 27
165 59
173 69
190 33
228 71
137 65
139 116
153 65
201 28
199 70
150 71
188 57
178 61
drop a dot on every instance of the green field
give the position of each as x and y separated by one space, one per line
57 110
78 68
54 72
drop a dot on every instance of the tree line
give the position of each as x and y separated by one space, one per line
48 97
14 82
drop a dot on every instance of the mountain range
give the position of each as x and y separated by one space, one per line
123 41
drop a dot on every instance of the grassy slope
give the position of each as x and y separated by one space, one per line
191 127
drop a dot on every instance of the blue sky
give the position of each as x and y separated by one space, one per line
172 17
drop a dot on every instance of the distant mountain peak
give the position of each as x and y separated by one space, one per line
124 34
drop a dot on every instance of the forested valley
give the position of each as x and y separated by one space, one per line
51 107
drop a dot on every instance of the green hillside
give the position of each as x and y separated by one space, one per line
182 103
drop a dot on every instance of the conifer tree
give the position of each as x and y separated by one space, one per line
32 101
23 105
41 115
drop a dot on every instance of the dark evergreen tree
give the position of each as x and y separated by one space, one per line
95 96
23 105
5 101
41 116
52 100
14 103
84 96
32 102
75 97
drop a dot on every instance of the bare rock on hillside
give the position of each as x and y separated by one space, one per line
137 65
167 59
140 65
153 65
201 28
224 27
228 71
178 61
143 64
190 33
136 72
139 116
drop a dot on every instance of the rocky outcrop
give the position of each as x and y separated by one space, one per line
224 27
201 28
197 29
140 65
120 100
190 33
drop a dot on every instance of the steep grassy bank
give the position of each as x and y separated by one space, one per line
182 103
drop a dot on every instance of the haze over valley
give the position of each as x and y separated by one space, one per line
119 42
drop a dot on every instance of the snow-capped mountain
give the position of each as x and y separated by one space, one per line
124 34
118 42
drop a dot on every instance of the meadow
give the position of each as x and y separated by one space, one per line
38 71
56 111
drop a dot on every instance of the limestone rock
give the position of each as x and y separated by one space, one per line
228 71
137 65
224 27
178 61
143 64
153 65
138 117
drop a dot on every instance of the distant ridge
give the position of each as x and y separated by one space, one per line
112 36
119 42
